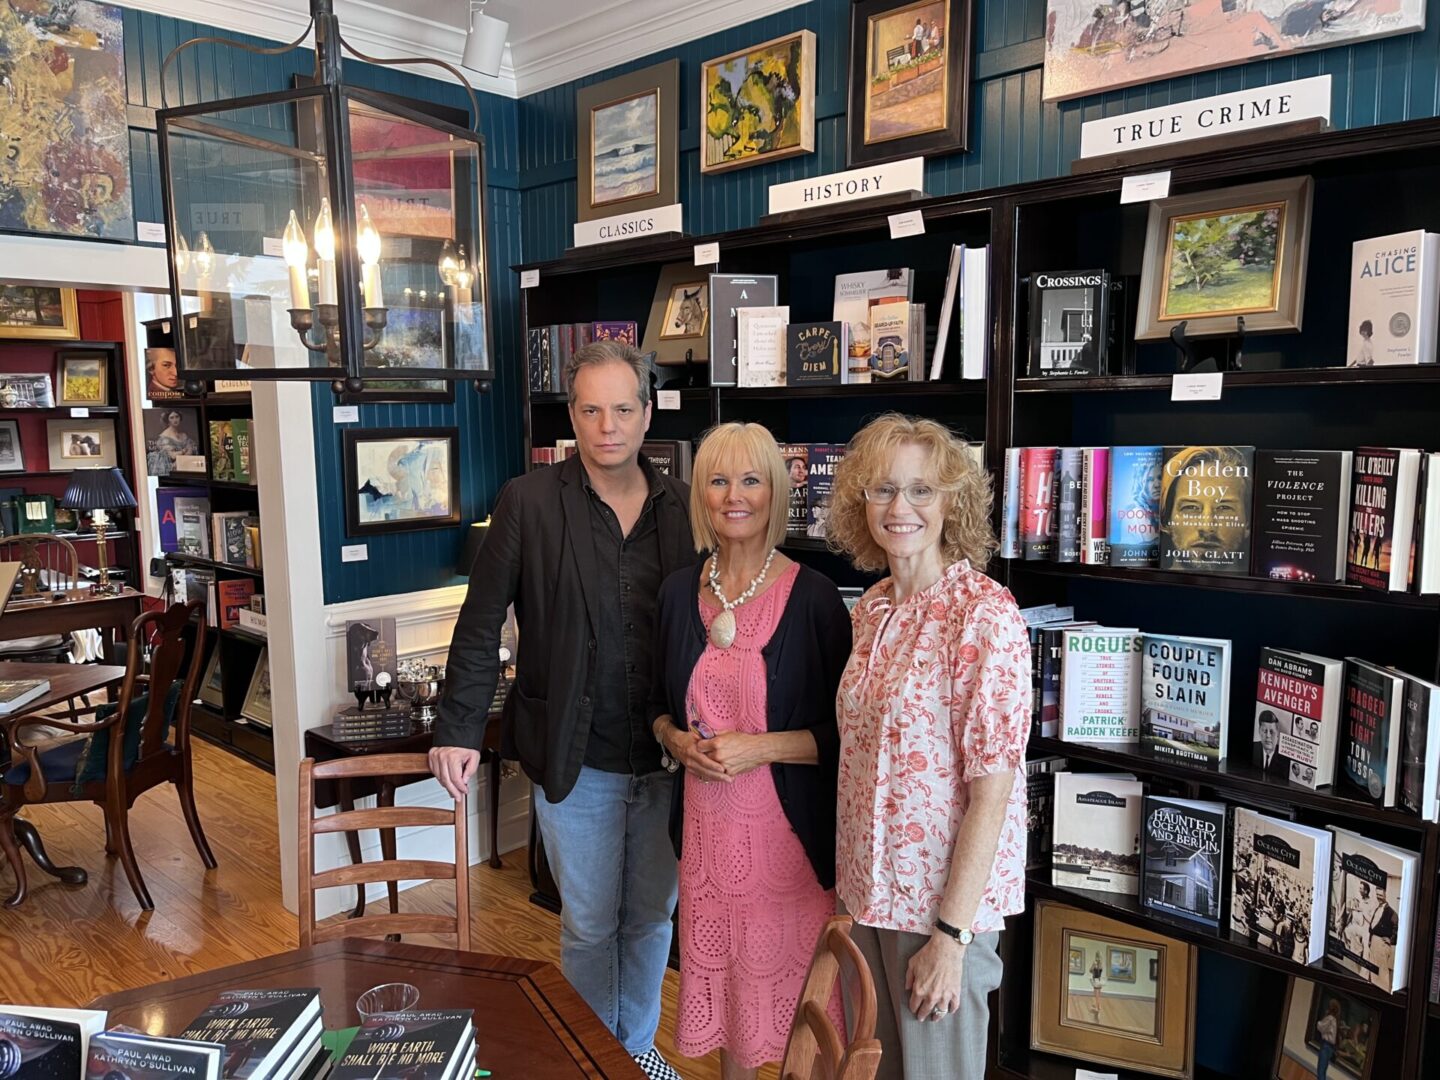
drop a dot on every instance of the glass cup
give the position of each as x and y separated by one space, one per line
387 998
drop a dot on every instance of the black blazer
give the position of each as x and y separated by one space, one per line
803 663
539 554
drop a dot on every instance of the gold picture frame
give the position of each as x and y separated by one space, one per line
212 689
38 311
82 378
727 140
1214 257
1136 1022
687 311
257 707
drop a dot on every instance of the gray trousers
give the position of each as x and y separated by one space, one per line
949 1049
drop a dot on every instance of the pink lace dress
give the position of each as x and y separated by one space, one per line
751 908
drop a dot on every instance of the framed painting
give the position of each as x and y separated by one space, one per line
83 377
758 104
81 444
1113 1011
401 479
687 311
172 441
26 390
626 136
65 84
909 79
1091 48
37 311
12 454
212 685
1215 256
1325 1033
258 707
680 303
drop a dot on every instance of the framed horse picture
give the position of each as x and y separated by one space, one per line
678 329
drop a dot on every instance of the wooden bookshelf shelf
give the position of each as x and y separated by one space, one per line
244 740
1234 778
197 560
186 480
797 393
1280 377
1127 909
61 411
241 634
1139 575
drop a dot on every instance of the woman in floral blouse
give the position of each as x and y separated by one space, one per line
934 713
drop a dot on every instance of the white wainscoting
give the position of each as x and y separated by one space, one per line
424 622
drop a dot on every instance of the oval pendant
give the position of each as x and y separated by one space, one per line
722 630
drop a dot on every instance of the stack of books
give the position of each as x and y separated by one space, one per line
266 1034
367 725
443 1039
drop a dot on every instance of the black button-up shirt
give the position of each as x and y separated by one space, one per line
620 738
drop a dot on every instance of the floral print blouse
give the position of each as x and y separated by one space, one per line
935 695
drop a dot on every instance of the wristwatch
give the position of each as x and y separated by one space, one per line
964 937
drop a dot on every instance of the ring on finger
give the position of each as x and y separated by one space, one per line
936 1013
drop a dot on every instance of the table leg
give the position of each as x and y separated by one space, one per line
30 840
493 777
386 797
352 841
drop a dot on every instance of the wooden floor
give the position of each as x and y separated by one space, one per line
1121 1014
69 944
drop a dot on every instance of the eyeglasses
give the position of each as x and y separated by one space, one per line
915 494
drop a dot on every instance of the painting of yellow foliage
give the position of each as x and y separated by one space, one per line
759 103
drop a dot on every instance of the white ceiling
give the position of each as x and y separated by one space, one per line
550 41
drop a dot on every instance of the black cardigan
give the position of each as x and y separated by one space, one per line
809 647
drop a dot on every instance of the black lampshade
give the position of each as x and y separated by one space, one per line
474 537
97 489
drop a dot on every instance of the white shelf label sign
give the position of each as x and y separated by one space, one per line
707 254
529 279
667 399
355 553
80 412
347 414
149 232
1146 187
910 223
1204 386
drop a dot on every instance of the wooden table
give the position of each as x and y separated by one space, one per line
66 681
31 618
529 1022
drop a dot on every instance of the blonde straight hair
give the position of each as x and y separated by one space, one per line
730 448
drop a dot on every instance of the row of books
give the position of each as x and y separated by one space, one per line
225 598
241 1035
812 483
188 527
549 348
1292 889
671 456
1293 515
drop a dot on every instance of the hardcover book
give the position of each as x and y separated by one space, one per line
192 525
761 352
1095 505
975 311
669 456
727 293
1279 885
370 650
815 354
1096 841
1135 505
1420 748
1069 464
627 332
1297 717
854 293
1069 323
1037 502
1040 809
38 1043
234 596
1370 734
1302 502
17 693
1100 685
1205 509
1184 698
535 358
797 465
391 1050
1010 504
241 453
1382 516
222 450
1394 291
821 486
892 340
260 1029
1183 871
227 534
1372 909
148 1057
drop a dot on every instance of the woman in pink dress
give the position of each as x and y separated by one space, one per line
749 650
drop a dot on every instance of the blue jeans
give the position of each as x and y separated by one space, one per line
608 845
1323 1058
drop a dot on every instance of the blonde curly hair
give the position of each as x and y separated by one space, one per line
966 532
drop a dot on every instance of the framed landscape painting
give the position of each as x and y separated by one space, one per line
84 378
401 479
909 79
38 311
1091 48
758 104
627 129
1216 256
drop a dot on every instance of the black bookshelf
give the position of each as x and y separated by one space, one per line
1278 378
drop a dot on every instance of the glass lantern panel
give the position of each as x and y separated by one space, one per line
247 188
419 240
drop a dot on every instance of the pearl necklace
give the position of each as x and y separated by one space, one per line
723 627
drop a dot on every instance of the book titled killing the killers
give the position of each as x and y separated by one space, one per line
261 1029
1135 505
392 1048
1297 717
815 354
1184 698
1372 909
1370 731
1037 501
1302 503
148 1057
1382 517
38 1043
1279 884
1095 843
1100 685
1205 509
1183 869
1394 294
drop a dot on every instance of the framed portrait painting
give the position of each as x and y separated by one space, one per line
1214 257
758 104
401 479
687 311
1131 1003
212 685
909 79
38 311
83 378
626 134
1321 1022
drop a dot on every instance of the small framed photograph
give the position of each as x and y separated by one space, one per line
26 390
12 455
38 311
1213 257
1325 1033
257 707
401 479
81 444
212 687
687 311
1108 1012
84 377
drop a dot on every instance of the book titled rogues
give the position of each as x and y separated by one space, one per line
1205 509
1100 685
1184 867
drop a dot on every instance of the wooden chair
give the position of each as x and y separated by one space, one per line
815 1050
53 559
137 744
388 869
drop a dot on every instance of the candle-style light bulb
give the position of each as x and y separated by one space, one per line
367 242
449 263
324 238
204 255
297 258
182 254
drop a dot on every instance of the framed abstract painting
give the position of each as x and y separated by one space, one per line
401 479
758 104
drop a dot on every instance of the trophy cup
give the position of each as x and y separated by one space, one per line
421 684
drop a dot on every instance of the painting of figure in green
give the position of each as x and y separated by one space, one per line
1224 263
64 143
759 103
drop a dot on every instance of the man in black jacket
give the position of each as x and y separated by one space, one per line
580 549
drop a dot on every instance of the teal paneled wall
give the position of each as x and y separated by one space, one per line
1015 136
489 424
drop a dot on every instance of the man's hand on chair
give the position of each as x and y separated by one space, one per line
454 766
